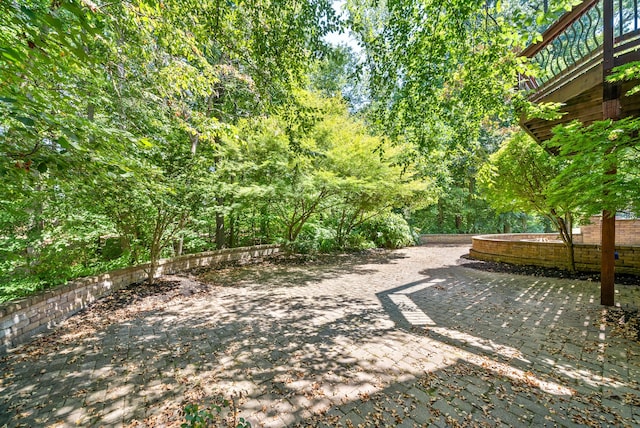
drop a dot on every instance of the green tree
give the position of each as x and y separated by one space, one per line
117 107
366 176
450 65
602 165
334 174
519 176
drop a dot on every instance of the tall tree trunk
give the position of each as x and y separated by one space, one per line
220 232
264 225
178 246
153 264
232 231
154 256
565 228
194 144
155 252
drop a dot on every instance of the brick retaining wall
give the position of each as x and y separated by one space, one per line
22 319
627 231
445 238
512 249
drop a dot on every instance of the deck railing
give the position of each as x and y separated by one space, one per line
574 42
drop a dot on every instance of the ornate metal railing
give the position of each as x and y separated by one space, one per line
575 41
626 17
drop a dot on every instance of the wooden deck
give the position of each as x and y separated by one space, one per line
571 52
582 100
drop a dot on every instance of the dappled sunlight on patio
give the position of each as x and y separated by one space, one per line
375 342
544 309
417 317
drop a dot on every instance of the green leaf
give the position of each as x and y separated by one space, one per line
146 142
79 13
27 121
54 23
72 136
11 54
66 144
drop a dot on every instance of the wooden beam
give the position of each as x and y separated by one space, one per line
607 271
627 57
610 110
578 84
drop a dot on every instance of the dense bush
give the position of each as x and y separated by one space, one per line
390 230
314 237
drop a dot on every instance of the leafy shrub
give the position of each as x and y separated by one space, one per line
389 230
195 243
35 265
319 238
357 241
221 413
314 237
112 248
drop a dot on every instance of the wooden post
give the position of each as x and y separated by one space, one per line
607 271
610 110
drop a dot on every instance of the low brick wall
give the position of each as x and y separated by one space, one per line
530 249
627 231
22 319
444 238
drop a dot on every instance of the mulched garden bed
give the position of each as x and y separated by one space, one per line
466 261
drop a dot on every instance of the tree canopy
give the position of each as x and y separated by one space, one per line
520 177
135 130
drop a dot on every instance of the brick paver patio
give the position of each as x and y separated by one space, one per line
404 338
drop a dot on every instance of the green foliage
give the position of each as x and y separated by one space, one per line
546 111
114 117
516 176
601 165
441 77
335 173
41 46
436 65
221 413
450 64
17 287
520 177
385 230
625 73
389 230
131 131
355 242
314 237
